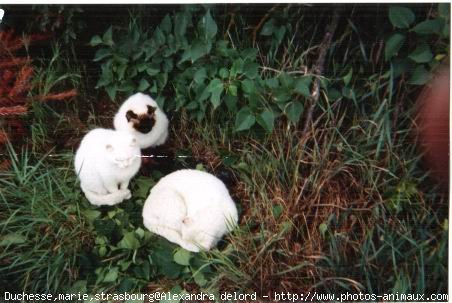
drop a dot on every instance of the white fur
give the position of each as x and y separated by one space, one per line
105 162
190 208
138 104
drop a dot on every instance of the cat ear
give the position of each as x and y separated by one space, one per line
151 110
131 115
109 147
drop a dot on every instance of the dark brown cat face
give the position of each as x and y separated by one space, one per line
143 122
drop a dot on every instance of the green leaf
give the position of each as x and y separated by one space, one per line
152 71
429 27
294 110
236 68
401 17
348 77
200 75
244 120
107 38
268 28
232 89
111 91
180 27
250 69
91 214
248 86
267 120
111 276
420 76
210 26
142 186
393 45
215 88
12 238
129 241
198 50
422 54
302 86
166 25
277 210
323 228
101 54
200 279
144 84
95 41
182 257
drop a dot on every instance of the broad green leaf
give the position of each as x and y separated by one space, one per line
294 110
198 49
393 45
144 84
250 69
267 120
129 241
268 28
180 27
107 38
166 25
248 86
420 76
112 275
237 67
182 257
102 54
210 26
200 75
401 17
96 40
428 27
12 238
231 103
232 89
245 119
302 86
422 54
152 71
223 72
200 279
111 91
215 88
91 214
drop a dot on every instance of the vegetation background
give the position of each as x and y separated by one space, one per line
306 112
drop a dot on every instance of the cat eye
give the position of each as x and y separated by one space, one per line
134 142
109 147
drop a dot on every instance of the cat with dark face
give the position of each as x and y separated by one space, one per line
141 116
144 122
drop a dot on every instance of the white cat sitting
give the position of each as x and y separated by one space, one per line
105 162
190 208
141 116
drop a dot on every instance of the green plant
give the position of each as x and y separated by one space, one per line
206 71
429 36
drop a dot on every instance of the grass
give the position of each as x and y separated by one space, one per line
345 207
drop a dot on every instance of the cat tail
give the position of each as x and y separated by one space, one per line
107 199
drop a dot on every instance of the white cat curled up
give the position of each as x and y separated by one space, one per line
190 208
141 116
105 162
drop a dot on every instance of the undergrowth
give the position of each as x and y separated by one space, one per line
345 206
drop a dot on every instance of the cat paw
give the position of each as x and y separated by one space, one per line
127 194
